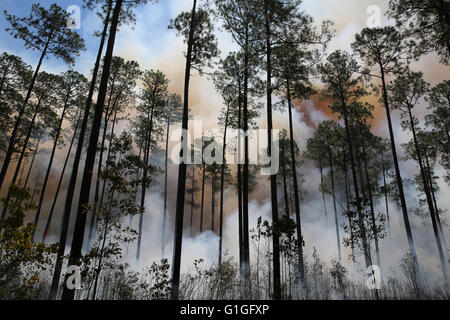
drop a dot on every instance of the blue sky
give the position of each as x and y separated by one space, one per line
151 28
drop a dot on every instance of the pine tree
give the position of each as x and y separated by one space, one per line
196 28
405 93
77 242
428 21
338 75
45 31
384 49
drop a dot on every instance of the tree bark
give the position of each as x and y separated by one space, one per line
32 160
222 182
178 234
294 177
273 177
163 240
203 198
338 240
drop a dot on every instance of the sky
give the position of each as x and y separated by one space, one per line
152 45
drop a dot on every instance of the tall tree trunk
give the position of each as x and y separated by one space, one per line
98 178
222 182
301 268
80 222
321 184
192 199
108 157
347 197
137 186
12 138
50 162
93 223
61 177
19 183
163 240
36 183
273 177
99 269
239 190
245 223
429 202
398 177
386 196
202 205
32 160
76 163
286 197
430 181
338 239
178 234
144 183
213 198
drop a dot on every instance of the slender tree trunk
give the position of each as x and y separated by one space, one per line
36 183
203 197
61 177
286 197
144 183
76 162
192 199
347 196
178 234
93 223
80 222
99 269
50 163
321 184
386 197
294 178
222 182
163 240
98 178
12 138
273 177
239 190
338 239
108 157
398 177
213 198
32 161
438 219
245 223
19 183
137 186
